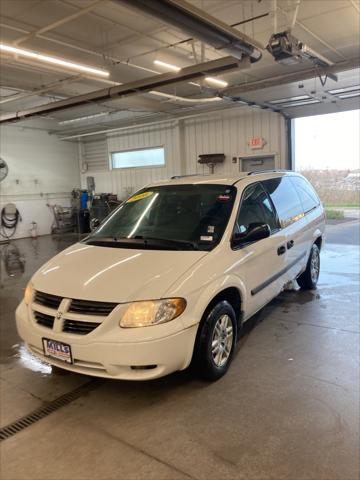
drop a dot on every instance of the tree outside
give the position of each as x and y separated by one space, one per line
327 152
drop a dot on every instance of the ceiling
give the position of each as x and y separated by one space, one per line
106 34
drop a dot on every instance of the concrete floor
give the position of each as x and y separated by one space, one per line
287 409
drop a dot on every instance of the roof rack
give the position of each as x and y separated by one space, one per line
269 171
175 177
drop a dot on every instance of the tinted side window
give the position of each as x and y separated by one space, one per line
285 199
255 208
307 195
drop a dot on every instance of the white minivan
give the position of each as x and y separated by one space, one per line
168 278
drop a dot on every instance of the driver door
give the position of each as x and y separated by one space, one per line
260 264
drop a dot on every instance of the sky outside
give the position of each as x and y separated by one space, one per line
329 141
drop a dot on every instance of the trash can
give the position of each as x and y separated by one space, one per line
83 199
84 221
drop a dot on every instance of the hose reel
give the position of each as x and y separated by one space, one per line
9 219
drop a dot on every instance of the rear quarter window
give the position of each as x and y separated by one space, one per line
285 199
307 194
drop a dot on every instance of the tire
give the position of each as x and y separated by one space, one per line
219 326
309 278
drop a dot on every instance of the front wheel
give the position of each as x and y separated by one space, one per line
215 343
309 278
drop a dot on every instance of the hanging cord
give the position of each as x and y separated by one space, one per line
9 222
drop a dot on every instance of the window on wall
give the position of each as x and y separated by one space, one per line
144 157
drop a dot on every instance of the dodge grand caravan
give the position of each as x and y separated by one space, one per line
168 279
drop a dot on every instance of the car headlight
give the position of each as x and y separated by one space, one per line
152 312
29 290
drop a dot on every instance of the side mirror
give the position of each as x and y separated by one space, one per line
255 232
94 223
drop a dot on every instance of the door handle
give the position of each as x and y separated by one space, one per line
281 250
290 244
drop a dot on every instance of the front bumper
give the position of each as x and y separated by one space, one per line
112 358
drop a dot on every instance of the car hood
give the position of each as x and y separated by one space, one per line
113 274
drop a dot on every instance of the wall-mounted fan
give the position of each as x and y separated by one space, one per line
4 169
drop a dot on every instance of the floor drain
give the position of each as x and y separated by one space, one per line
45 410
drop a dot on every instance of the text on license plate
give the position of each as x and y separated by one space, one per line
60 351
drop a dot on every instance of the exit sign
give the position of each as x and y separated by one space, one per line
256 142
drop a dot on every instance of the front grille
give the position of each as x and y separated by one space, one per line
79 328
83 308
44 320
51 301
87 307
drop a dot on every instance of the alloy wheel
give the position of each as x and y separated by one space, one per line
222 340
315 265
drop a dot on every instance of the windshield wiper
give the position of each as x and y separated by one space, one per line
146 241
92 238
168 242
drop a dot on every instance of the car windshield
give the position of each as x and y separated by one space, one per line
171 217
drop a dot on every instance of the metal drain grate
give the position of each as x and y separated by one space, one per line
44 411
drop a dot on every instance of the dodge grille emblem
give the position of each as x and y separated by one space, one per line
58 315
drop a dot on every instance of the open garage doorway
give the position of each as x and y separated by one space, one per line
327 152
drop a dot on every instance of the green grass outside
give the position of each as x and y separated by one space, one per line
345 205
334 214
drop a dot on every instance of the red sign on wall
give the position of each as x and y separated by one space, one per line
256 142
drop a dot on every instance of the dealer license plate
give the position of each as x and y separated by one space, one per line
58 350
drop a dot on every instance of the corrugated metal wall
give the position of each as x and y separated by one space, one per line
95 155
227 132
129 179
125 181
230 133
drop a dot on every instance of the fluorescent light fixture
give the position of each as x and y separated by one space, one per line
290 99
299 104
345 89
53 60
175 68
169 66
349 94
216 81
79 119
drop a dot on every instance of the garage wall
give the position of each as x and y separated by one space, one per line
230 133
42 169
227 132
124 181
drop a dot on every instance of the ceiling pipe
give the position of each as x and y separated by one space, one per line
176 98
200 25
160 121
229 94
189 40
140 86
291 77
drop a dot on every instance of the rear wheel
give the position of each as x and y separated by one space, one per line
215 343
309 278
